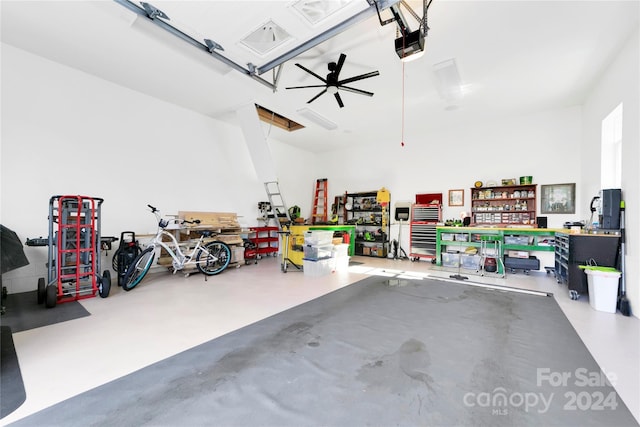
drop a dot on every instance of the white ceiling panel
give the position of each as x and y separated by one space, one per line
511 57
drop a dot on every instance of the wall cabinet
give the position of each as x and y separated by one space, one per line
371 220
424 220
506 204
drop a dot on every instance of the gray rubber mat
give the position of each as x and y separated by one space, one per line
12 393
24 312
376 353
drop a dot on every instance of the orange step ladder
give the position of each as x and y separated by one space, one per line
320 211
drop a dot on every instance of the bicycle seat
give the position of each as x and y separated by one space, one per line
207 233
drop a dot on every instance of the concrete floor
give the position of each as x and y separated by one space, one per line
167 314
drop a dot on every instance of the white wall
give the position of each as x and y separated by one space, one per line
66 132
619 84
544 145
297 174
456 158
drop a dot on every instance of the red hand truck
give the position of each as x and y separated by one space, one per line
73 260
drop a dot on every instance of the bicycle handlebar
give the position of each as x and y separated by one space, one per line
164 223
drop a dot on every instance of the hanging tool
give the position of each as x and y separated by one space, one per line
459 276
593 207
383 198
624 302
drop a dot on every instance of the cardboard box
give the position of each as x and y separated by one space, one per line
518 254
237 254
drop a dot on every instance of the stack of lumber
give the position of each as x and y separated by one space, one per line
224 225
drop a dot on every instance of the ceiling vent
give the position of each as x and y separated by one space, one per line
315 11
266 38
448 80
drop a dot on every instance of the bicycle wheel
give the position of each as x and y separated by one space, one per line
214 258
138 269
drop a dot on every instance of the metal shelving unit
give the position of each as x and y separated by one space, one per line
266 240
371 221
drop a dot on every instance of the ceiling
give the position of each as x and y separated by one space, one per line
513 57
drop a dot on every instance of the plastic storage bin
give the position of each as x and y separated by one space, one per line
317 268
517 240
341 250
603 288
318 237
341 263
450 260
470 262
317 252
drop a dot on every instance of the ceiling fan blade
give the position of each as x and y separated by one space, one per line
360 77
304 87
337 95
339 65
354 90
316 97
311 72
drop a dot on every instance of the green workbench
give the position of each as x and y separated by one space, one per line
511 239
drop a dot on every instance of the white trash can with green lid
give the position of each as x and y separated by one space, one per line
603 287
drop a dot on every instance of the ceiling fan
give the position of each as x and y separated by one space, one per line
333 83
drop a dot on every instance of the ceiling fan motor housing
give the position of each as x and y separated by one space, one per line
332 83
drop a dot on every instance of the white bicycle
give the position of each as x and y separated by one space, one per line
210 258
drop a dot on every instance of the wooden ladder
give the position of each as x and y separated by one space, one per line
320 211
